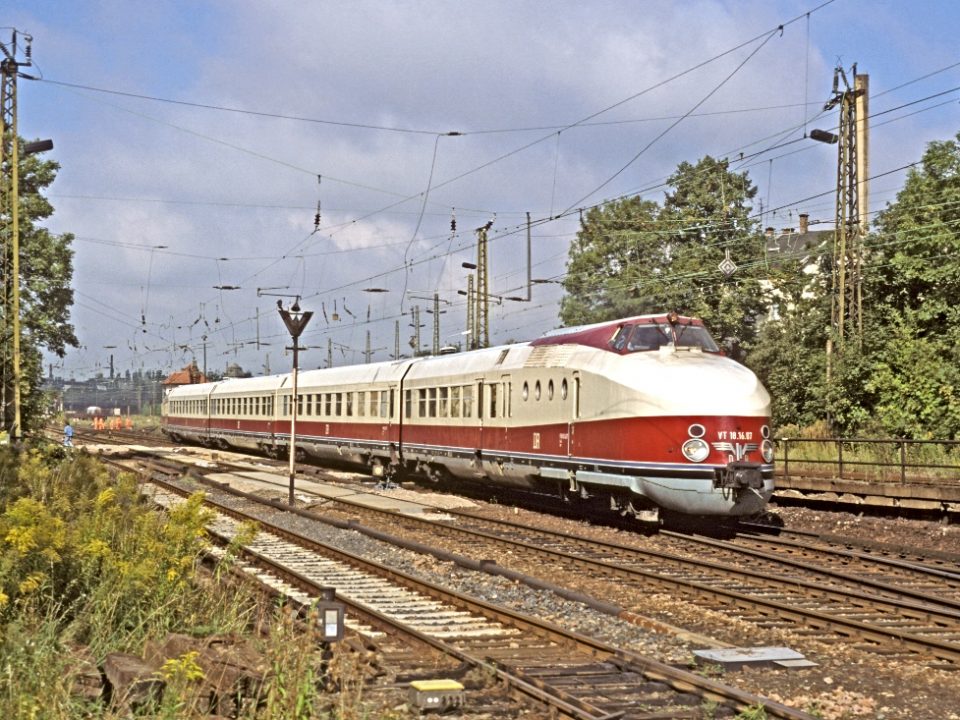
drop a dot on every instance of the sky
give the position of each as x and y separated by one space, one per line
198 139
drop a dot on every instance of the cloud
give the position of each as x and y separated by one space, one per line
212 184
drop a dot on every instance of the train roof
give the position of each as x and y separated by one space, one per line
598 335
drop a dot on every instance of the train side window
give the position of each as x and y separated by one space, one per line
407 403
455 401
550 390
525 394
619 340
337 404
328 404
507 395
468 401
391 404
361 403
422 405
383 404
349 404
444 409
374 403
536 391
432 402
492 390
563 389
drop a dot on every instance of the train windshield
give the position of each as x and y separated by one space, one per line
655 336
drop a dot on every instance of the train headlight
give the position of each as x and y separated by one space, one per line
695 450
766 450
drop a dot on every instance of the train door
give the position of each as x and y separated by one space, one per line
506 411
389 413
574 400
271 401
481 409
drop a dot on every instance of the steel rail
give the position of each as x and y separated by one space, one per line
915 643
680 680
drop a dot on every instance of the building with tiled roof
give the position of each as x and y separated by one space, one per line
190 375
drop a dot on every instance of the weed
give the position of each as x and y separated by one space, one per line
754 712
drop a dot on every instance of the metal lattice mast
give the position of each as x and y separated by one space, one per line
8 84
9 213
396 340
483 290
436 323
471 315
416 330
846 312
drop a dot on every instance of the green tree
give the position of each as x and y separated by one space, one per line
636 256
788 355
46 270
912 284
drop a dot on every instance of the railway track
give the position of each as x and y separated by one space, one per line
772 592
574 675
895 606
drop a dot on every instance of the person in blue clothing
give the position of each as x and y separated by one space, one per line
68 435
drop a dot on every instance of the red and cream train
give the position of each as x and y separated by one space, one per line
642 414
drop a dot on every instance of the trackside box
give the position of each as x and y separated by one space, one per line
436 694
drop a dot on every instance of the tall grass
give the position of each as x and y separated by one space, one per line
85 562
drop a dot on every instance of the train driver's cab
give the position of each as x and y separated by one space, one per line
653 336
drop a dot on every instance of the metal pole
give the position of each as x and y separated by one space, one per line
293 418
15 432
295 322
436 323
471 315
529 263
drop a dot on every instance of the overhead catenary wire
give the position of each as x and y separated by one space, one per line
421 215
